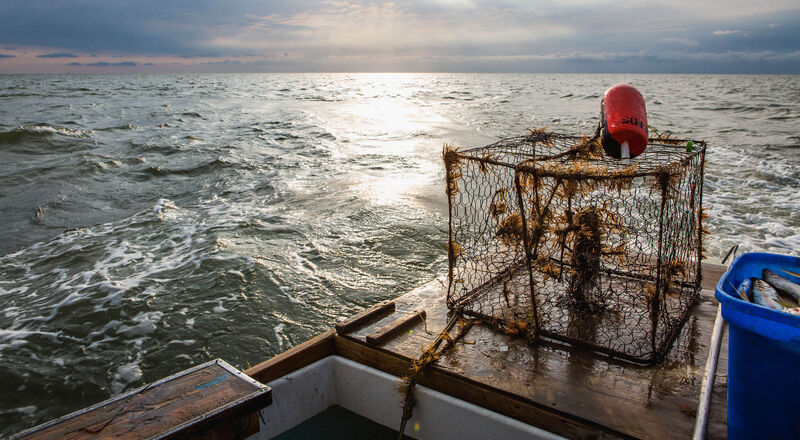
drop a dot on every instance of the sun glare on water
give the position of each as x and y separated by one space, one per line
392 121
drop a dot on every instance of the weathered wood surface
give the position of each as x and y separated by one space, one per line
567 390
366 316
389 331
464 388
195 404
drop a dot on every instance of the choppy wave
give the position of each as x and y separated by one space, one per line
126 126
155 222
20 134
195 170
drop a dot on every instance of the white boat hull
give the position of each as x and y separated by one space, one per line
371 393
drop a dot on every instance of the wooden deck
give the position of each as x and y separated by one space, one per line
212 400
568 391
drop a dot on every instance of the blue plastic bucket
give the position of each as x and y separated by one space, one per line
763 354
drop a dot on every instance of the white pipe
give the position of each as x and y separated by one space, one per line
625 152
709 375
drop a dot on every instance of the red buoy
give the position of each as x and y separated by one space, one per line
623 121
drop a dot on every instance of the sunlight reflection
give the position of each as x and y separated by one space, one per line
412 185
389 107
391 118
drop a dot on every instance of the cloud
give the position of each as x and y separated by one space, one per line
108 64
2 55
229 62
448 35
58 55
681 41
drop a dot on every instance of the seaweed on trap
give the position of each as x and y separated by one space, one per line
550 238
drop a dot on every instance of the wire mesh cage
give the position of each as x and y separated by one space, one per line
550 237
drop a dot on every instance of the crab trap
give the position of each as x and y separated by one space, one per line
550 237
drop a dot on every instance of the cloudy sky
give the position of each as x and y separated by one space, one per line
737 36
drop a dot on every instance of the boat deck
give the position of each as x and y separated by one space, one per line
566 390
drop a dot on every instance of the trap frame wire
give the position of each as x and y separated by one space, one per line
551 238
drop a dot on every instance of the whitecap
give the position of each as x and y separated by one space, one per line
26 410
46 129
7 335
186 342
160 208
146 324
278 329
237 273
124 376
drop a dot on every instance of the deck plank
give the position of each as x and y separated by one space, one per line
369 315
188 404
387 332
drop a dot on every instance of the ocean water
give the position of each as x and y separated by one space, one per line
149 223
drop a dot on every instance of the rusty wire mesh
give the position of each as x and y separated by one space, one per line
550 237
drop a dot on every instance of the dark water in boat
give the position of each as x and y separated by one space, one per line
337 423
150 223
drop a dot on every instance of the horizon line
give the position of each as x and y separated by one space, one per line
400 73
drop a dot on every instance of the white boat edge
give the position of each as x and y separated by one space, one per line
371 393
